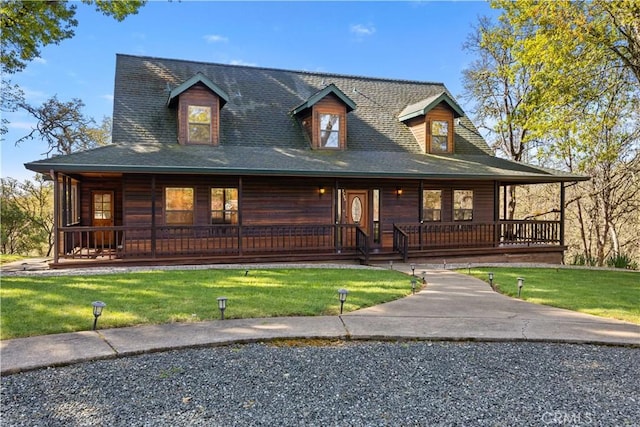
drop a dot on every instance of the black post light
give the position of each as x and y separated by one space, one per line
342 294
222 305
520 285
491 279
413 269
97 311
390 264
414 283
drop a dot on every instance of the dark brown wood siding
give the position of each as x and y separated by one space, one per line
286 201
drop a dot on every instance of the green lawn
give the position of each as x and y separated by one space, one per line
37 305
606 293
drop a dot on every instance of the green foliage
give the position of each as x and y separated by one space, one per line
613 294
27 26
622 261
566 92
56 304
581 259
26 209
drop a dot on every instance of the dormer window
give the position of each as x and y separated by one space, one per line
199 118
323 116
439 136
431 122
199 101
329 130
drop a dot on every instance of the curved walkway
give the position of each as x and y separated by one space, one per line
451 307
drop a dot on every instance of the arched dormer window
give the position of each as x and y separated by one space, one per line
199 102
324 118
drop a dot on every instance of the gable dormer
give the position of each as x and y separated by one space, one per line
431 121
324 117
199 102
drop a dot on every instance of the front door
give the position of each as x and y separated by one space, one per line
102 216
357 208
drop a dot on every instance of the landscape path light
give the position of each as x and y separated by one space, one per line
97 311
414 282
413 269
342 294
424 279
520 285
491 279
222 305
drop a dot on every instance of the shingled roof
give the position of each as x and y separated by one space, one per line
259 134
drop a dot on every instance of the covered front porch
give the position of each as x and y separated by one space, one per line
238 243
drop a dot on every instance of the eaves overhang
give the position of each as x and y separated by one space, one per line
300 163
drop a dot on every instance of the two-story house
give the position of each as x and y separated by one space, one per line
225 163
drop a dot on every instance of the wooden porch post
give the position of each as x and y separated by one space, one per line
496 213
56 217
153 216
336 215
562 201
240 215
420 212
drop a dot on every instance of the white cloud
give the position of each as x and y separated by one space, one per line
108 97
241 62
215 38
361 30
39 60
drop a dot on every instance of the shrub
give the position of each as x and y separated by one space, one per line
622 261
581 259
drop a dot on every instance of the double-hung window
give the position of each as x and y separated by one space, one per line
439 136
199 119
224 205
179 205
431 205
462 205
329 130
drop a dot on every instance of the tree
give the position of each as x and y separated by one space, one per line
583 111
64 127
27 26
501 89
27 216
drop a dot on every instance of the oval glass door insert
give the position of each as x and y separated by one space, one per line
356 210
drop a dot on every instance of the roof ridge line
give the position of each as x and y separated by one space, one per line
316 73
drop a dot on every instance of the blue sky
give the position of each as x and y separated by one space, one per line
398 40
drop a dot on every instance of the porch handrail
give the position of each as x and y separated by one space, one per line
362 243
401 242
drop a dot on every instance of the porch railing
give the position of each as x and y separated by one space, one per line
209 240
451 235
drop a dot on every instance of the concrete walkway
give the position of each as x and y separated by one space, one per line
451 307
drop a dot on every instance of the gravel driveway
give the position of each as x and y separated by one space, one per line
338 384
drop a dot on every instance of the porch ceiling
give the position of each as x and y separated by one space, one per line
279 161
